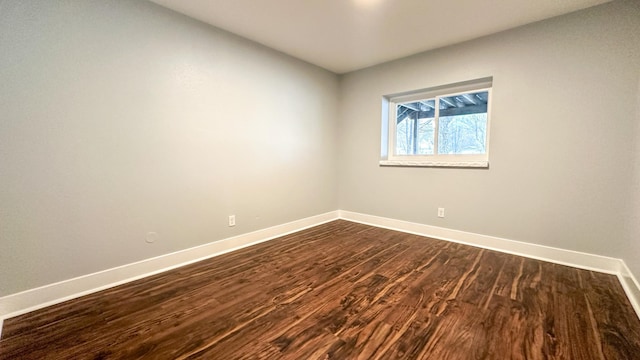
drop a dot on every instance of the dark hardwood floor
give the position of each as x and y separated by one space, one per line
342 291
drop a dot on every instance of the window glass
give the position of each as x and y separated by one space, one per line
462 125
415 128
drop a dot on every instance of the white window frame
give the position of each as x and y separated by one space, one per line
389 103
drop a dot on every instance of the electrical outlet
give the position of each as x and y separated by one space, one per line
232 220
440 212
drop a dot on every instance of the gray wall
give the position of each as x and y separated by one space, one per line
632 255
564 113
118 118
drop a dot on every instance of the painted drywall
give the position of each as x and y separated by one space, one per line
119 118
632 255
564 97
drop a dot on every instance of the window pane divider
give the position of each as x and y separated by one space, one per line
436 125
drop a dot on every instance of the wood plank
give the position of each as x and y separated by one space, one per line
346 291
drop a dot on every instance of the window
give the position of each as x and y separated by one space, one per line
442 126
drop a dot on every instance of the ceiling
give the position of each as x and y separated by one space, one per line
346 35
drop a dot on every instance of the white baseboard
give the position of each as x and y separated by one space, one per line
33 299
630 285
571 258
539 252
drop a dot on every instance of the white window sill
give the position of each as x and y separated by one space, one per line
421 163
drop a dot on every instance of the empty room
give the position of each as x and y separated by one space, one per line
319 179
